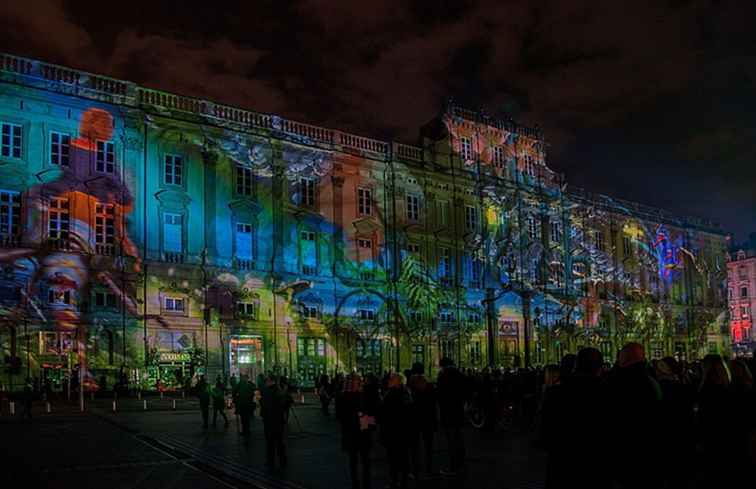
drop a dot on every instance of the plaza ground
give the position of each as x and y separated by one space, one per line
165 448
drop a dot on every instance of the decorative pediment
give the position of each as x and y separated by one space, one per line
245 207
173 199
366 225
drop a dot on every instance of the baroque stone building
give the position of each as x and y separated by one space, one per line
154 234
741 294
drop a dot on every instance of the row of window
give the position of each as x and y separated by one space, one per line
11 146
743 293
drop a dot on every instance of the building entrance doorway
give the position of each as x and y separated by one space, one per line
246 356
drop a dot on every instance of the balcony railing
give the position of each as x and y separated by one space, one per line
173 257
244 264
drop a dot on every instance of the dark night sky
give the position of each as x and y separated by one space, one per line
653 101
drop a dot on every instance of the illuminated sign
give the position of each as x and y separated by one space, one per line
174 357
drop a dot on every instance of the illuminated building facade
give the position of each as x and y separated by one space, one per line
741 294
157 234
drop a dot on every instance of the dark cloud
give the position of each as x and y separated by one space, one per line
649 100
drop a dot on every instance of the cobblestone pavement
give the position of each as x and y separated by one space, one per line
165 448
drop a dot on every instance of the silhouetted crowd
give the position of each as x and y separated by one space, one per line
636 424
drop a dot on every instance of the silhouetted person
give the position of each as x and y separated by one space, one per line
203 393
28 399
394 421
677 443
356 414
452 394
635 408
575 423
245 400
324 393
272 407
424 420
219 402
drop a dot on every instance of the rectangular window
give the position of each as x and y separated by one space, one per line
498 157
365 314
307 192
729 294
174 167
415 317
444 263
465 148
530 166
443 213
10 140
10 215
58 220
556 232
418 354
532 228
475 353
105 158
365 201
744 292
243 181
413 208
627 245
600 244
476 272
104 229
246 310
745 312
60 149
365 244
310 312
105 300
309 252
446 316
174 304
243 240
471 218
173 232
58 297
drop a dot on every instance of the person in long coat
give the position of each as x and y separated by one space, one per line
394 420
272 409
356 415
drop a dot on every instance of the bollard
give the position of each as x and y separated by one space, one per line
12 407
145 404
139 395
48 407
114 406
161 395
173 406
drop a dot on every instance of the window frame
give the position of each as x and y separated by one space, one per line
412 207
62 156
175 300
11 214
172 160
106 164
11 145
364 201
245 181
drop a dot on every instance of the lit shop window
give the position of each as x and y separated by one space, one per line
365 201
60 149
10 140
173 171
105 159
